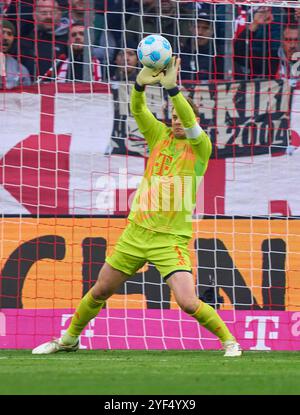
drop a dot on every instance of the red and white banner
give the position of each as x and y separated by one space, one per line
51 147
54 160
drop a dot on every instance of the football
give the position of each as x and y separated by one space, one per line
154 51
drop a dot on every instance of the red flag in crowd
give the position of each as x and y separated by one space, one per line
5 3
240 21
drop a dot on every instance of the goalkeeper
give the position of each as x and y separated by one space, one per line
159 228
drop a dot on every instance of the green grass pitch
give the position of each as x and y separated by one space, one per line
122 372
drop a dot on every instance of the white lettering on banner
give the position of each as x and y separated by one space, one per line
202 98
228 95
261 331
296 65
270 89
2 324
250 101
295 330
295 113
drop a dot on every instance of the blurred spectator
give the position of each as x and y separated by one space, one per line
168 8
15 74
20 13
72 68
199 60
126 66
291 15
4 5
105 46
48 40
132 6
112 18
76 11
288 54
102 41
147 21
297 14
256 46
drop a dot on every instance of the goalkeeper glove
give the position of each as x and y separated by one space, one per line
148 76
169 79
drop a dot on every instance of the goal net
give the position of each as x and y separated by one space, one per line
71 159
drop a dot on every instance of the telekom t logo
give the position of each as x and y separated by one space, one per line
89 332
261 330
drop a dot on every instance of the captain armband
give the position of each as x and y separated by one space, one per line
193 132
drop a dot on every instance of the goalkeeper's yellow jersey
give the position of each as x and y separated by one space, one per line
166 198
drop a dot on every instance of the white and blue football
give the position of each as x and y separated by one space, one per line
154 51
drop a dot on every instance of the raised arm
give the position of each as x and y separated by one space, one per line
148 125
194 133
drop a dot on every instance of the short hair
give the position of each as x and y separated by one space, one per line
291 26
78 23
55 3
6 24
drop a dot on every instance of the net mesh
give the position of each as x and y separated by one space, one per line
72 158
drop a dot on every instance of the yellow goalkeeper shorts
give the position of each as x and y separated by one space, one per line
137 245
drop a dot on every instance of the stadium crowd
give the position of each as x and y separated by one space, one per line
44 40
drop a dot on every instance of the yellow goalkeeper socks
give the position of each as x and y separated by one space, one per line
87 309
209 318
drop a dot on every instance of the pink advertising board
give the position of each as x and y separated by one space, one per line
150 329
